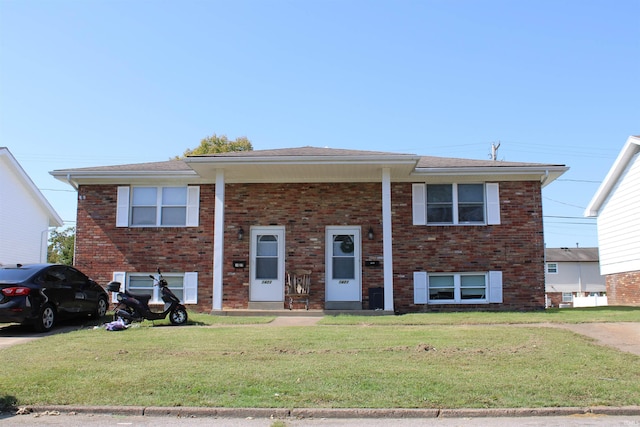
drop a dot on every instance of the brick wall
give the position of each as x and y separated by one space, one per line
515 247
102 248
304 210
623 288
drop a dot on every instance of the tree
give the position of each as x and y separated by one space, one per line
219 144
61 246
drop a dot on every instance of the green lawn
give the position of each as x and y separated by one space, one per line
380 361
553 315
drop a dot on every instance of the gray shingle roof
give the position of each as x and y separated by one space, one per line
571 254
424 161
300 152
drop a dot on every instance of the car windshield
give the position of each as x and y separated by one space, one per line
15 274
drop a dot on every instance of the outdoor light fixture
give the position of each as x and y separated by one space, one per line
370 233
240 233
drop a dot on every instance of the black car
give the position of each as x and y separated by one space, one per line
38 294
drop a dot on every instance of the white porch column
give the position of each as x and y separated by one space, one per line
218 241
387 248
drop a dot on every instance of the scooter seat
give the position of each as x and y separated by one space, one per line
144 298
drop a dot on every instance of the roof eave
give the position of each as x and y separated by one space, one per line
75 178
631 147
547 173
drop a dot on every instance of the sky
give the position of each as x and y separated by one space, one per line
98 83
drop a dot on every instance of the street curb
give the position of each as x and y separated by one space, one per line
337 413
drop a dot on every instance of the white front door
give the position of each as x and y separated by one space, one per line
267 264
343 270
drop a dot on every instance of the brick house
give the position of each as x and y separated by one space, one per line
616 205
397 232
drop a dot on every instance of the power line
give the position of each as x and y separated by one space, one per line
564 203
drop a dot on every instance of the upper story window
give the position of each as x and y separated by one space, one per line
158 206
456 204
552 267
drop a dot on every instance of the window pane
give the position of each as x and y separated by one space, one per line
472 293
144 196
141 284
440 214
343 268
174 216
472 281
176 284
471 213
470 193
439 193
174 196
472 287
440 203
143 216
441 288
266 268
470 203
267 245
343 245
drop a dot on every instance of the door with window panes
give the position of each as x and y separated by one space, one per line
267 264
343 270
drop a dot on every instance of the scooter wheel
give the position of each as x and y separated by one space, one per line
178 316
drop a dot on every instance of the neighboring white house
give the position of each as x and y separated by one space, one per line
572 277
616 205
25 215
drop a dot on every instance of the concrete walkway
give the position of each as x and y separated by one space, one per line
295 321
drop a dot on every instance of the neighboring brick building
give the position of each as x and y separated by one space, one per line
396 232
616 205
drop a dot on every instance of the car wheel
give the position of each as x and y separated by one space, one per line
101 308
46 319
178 316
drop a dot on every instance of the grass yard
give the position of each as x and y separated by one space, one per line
552 315
364 363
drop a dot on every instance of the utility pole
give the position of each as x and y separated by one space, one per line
494 151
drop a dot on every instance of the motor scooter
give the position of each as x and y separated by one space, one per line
135 307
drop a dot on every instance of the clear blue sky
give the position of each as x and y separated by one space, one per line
104 82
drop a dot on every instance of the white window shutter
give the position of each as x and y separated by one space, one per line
495 286
122 207
118 276
420 285
191 288
493 203
193 206
419 196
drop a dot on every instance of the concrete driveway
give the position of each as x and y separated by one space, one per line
624 336
13 334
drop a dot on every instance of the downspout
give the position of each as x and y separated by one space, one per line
544 179
71 183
